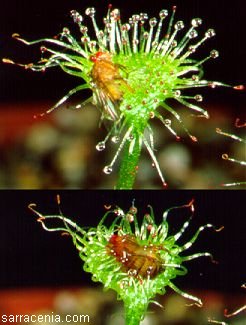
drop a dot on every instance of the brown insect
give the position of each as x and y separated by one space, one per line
137 260
109 85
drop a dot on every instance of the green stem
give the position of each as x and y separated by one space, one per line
134 313
129 165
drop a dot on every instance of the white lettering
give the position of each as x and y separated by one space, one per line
48 318
26 318
11 318
68 316
4 318
33 317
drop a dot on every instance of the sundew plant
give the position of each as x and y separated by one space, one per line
135 69
225 156
138 260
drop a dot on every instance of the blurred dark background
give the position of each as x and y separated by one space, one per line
38 153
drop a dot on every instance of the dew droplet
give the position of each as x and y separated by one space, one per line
108 26
84 29
214 54
133 210
152 115
195 77
108 169
132 272
115 14
135 18
193 138
225 156
66 31
145 35
210 33
100 34
192 49
129 217
125 27
90 11
105 20
131 137
119 212
193 34
153 22
100 146
115 139
212 85
149 227
177 93
92 44
85 39
154 44
196 22
179 25
77 18
143 16
174 43
73 12
163 13
123 284
167 122
198 98
130 21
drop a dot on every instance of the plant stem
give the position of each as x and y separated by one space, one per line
129 164
134 313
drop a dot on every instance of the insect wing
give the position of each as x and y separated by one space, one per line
108 108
